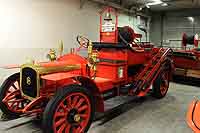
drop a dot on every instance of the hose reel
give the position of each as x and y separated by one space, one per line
191 40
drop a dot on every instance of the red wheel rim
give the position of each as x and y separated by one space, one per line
164 83
72 114
13 99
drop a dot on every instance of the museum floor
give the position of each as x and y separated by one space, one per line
131 115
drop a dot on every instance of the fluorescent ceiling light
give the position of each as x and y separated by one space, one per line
140 8
191 19
147 6
155 2
164 4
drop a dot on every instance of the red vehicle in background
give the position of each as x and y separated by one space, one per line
69 89
187 61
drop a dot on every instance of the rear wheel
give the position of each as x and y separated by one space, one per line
70 111
161 84
11 101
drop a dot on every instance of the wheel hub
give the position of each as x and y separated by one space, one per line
72 113
77 118
18 96
73 116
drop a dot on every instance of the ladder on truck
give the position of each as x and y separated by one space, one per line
146 78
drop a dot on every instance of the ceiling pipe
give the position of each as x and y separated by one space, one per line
116 6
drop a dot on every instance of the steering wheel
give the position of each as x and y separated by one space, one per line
82 41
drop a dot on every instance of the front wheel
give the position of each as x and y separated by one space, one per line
70 111
161 84
11 101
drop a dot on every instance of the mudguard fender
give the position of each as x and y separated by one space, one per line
64 79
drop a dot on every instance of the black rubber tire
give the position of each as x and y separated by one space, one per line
48 114
3 90
156 90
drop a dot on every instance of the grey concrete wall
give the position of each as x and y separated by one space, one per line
155 29
175 23
41 23
14 56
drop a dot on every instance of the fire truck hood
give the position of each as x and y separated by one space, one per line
52 67
47 67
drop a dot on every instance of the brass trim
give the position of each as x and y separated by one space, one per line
40 70
112 61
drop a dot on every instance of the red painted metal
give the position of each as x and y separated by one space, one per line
109 36
32 107
187 63
165 84
11 101
77 102
187 60
151 71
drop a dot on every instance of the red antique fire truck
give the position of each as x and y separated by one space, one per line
70 88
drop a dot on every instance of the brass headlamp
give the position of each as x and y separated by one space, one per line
52 55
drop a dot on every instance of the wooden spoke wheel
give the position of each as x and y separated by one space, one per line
11 101
161 84
70 111
164 83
